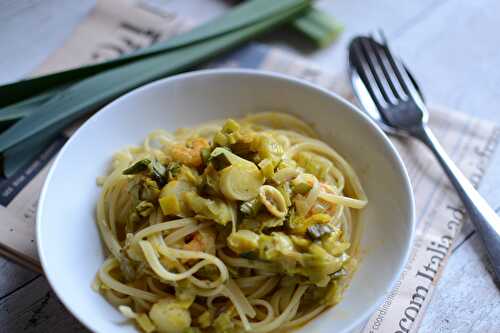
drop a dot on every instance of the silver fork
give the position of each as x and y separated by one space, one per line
390 95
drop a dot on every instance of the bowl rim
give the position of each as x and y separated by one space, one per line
230 72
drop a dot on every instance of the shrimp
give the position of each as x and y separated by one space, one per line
203 240
189 155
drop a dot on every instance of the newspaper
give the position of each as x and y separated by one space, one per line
107 33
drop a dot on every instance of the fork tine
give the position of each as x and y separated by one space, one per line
385 43
360 63
406 83
389 73
377 69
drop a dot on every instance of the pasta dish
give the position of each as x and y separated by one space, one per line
244 225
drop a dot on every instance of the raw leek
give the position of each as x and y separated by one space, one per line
318 26
243 16
45 117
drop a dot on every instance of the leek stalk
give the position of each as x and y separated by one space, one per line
50 112
318 26
240 17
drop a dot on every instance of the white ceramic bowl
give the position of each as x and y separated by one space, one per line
68 241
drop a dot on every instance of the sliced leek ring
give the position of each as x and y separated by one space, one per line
234 159
240 183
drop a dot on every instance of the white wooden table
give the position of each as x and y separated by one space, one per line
452 46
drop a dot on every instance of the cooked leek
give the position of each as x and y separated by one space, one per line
138 167
238 183
170 317
318 26
220 162
256 258
172 200
243 241
211 209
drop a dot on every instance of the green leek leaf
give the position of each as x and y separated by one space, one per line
23 153
244 15
318 26
27 106
58 112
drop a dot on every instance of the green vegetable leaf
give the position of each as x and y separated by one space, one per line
138 167
17 157
220 162
26 107
88 94
243 16
152 168
158 173
205 155
318 26
173 170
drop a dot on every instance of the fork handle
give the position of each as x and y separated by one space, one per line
485 219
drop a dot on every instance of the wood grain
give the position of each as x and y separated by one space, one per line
12 276
35 308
